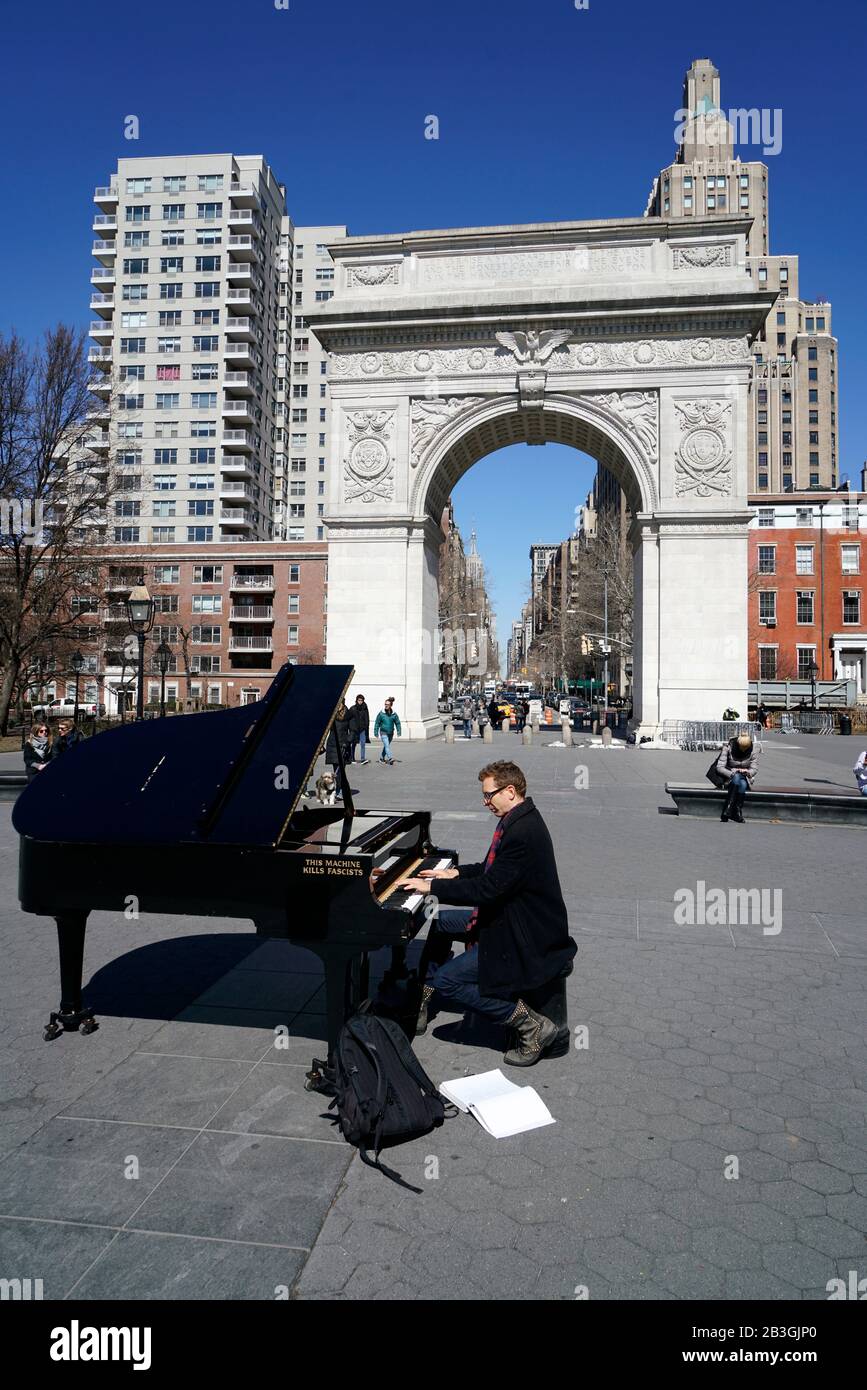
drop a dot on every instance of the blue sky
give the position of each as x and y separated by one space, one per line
546 112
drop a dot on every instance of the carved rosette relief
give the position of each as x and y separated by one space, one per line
372 276
702 257
638 411
582 356
428 417
368 464
703 458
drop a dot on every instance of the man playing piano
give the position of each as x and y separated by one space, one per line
512 919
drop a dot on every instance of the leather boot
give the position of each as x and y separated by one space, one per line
729 803
534 1034
737 812
422 1020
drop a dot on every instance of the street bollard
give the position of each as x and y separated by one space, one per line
487 733
450 732
535 722
476 730
527 736
566 732
606 737
506 725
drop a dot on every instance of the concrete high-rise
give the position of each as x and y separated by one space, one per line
794 396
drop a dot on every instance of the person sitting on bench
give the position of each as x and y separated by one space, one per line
513 922
737 764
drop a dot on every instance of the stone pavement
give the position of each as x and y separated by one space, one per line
174 1153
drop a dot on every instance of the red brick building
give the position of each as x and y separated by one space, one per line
807 560
230 615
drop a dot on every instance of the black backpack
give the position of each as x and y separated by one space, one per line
381 1092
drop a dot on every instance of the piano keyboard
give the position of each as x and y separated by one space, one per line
397 897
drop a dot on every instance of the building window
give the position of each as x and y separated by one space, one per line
766 516
208 574
805 603
850 559
294 574
768 606
852 606
804 516
294 603
806 657
767 663
293 634
803 559
200 533
767 559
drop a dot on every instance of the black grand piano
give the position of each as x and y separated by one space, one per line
203 815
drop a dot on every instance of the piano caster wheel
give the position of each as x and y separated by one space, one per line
82 1020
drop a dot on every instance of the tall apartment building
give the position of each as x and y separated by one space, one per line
187 287
794 396
301 460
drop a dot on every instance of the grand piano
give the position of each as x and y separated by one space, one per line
204 815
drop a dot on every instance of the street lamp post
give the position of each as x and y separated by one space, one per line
164 656
813 670
140 608
77 664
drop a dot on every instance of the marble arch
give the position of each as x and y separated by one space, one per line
627 339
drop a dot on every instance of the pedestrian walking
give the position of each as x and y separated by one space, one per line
494 713
386 726
67 737
37 750
522 714
860 771
359 724
339 733
466 711
737 765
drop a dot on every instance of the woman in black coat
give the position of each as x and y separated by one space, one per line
37 750
341 733
359 727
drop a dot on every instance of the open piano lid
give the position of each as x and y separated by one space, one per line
226 777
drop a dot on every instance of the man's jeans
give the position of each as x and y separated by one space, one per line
457 982
468 728
360 742
386 748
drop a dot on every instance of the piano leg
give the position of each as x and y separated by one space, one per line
71 927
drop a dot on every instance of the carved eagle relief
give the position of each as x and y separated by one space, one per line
533 346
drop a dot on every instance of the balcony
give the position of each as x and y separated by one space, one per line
105 197
240 270
238 411
102 303
102 275
105 250
122 583
101 225
97 440
251 644
243 220
243 195
238 381
236 516
100 357
101 328
240 328
238 439
237 466
243 248
241 298
98 412
238 354
252 581
100 387
252 613
236 489
115 613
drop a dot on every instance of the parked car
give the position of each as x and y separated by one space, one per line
62 709
444 706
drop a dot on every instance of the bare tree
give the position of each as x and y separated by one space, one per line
54 493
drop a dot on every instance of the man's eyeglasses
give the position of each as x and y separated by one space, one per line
488 797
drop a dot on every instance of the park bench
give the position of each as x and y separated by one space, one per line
837 806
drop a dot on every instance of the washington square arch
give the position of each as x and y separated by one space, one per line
627 339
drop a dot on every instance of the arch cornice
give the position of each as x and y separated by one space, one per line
586 408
